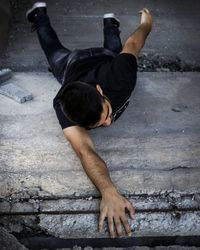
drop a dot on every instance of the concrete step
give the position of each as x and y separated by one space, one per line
156 144
152 153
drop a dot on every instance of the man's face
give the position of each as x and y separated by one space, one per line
106 115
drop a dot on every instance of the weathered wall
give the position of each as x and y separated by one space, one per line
5 20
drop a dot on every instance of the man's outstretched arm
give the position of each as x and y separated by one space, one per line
113 204
136 41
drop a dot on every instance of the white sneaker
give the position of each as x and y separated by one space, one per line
38 7
111 19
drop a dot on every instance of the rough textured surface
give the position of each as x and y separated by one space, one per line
7 88
175 30
38 204
16 93
159 148
9 242
145 224
152 153
85 225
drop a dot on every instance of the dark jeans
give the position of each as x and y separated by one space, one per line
60 58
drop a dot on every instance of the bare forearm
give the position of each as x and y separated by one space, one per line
140 34
136 41
138 38
97 171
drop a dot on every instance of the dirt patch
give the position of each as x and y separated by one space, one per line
164 63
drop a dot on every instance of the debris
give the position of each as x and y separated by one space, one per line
10 90
16 93
149 62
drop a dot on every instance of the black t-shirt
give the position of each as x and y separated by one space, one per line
116 76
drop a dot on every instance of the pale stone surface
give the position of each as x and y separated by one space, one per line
16 93
152 151
144 224
151 146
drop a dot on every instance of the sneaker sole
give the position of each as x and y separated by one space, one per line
111 15
35 6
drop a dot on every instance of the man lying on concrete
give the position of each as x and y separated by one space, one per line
96 87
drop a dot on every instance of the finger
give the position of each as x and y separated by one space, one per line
131 210
101 221
146 10
111 226
126 225
118 226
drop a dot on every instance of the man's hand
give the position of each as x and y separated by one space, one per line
136 41
113 207
146 17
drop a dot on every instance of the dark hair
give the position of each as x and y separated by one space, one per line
81 103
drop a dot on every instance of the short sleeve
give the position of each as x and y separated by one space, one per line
63 120
122 72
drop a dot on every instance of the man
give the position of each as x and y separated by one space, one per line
96 87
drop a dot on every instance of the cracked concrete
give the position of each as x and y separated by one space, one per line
145 224
157 166
153 142
43 188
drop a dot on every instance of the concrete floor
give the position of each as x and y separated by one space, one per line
147 145
80 26
152 152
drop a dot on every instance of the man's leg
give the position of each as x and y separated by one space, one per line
111 31
56 54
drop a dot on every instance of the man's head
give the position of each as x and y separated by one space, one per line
86 105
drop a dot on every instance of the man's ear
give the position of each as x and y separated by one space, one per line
99 89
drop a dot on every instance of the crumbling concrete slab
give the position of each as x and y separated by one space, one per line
14 92
151 146
144 224
152 153
11 90
36 205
